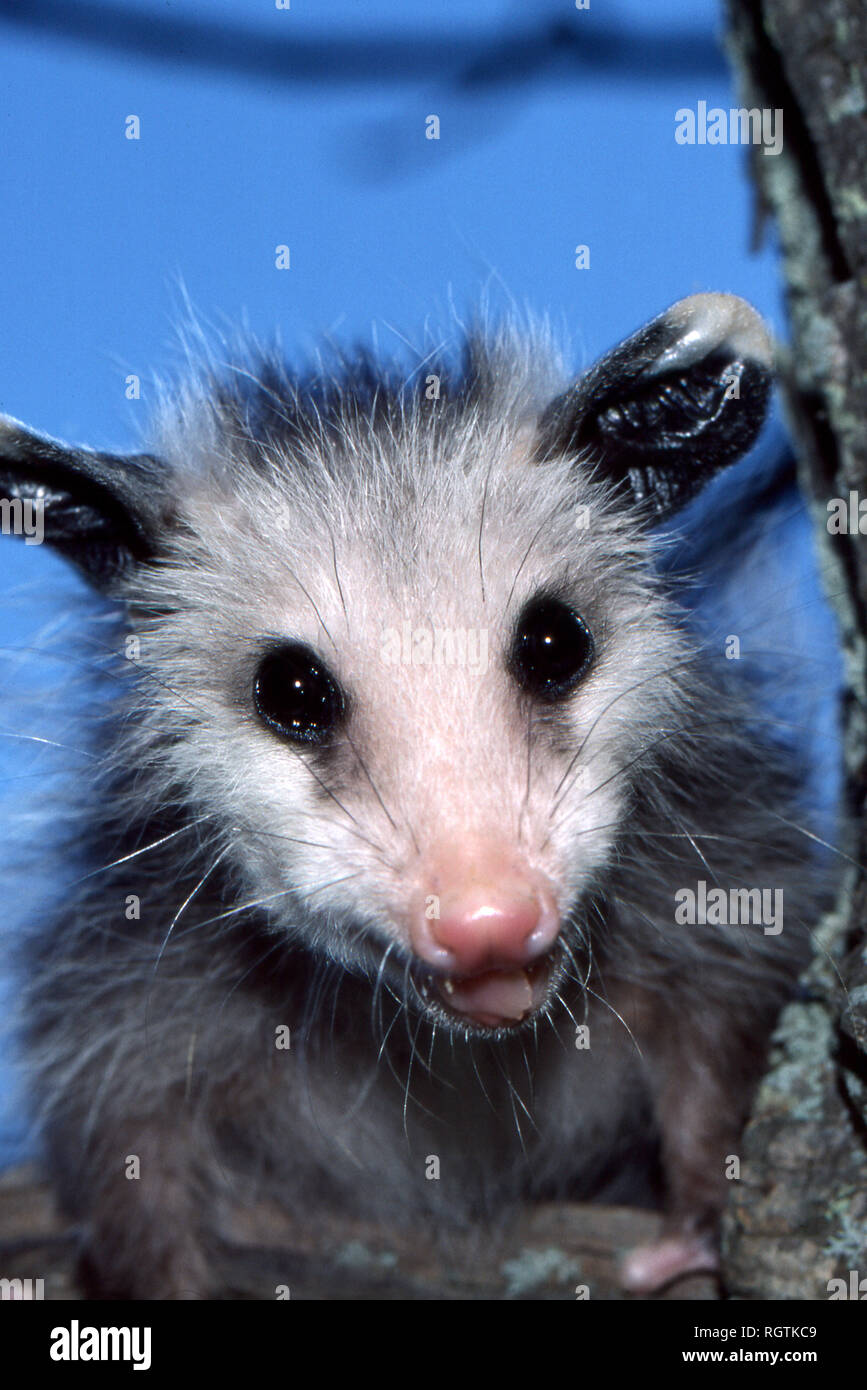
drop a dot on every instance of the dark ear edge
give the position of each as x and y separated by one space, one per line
104 512
668 408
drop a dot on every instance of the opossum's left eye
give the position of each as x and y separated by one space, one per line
296 695
552 649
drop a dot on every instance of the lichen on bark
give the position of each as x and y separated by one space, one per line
799 1215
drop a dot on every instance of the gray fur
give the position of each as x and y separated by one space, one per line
273 881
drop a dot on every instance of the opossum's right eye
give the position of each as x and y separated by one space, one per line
552 649
296 695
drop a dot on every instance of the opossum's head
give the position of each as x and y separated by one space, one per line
402 644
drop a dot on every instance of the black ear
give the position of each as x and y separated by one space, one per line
671 406
102 511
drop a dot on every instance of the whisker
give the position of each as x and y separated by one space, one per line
373 785
145 849
481 530
557 508
655 675
611 1009
48 742
185 904
337 576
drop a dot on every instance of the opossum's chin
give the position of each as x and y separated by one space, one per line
493 1000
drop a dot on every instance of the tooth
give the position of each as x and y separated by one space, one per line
448 986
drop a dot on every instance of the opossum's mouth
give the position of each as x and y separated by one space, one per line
492 999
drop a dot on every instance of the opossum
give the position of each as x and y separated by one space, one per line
424 823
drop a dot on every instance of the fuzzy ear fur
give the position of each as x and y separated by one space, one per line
668 408
102 511
661 413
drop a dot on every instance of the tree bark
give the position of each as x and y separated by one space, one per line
559 1251
799 1215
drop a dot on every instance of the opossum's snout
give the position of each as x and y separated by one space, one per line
486 930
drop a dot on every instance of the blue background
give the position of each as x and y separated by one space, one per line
262 126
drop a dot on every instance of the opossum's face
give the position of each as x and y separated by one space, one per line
422 755
418 677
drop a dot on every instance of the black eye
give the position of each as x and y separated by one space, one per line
552 649
296 695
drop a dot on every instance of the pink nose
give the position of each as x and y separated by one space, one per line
487 920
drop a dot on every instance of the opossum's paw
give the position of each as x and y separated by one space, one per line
649 1268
